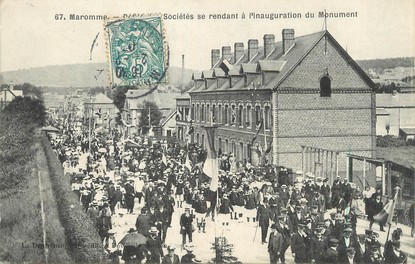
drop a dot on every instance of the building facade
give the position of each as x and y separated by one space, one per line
303 96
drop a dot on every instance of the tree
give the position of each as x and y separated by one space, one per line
155 114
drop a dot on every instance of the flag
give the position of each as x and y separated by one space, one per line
386 215
151 132
210 167
259 127
269 147
187 163
164 158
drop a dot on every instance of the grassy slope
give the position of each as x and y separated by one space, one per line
21 222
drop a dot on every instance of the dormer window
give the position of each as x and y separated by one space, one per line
325 86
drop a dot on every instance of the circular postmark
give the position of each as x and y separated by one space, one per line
137 51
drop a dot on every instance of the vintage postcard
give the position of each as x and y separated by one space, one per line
189 131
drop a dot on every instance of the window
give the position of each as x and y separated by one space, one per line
240 113
220 114
202 113
248 116
207 113
233 113
193 112
197 113
266 118
241 151
225 114
325 86
203 141
258 115
213 113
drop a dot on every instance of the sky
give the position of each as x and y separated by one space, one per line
31 36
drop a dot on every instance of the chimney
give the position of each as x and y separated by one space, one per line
252 48
215 56
287 39
269 44
238 51
226 52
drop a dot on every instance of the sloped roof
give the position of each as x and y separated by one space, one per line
101 99
408 130
207 74
218 72
248 68
284 64
169 115
270 65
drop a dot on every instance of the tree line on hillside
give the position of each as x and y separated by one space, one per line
380 65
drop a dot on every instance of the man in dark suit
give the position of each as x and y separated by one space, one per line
300 243
283 227
171 258
360 248
297 218
318 246
346 241
263 216
375 207
394 254
186 226
142 223
331 254
275 244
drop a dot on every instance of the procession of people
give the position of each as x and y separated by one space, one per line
305 217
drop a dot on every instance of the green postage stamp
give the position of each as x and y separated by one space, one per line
137 51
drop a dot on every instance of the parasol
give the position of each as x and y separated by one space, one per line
50 129
102 150
132 144
100 130
133 240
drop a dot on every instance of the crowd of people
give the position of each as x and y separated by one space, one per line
160 177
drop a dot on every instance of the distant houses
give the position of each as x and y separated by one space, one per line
7 94
395 113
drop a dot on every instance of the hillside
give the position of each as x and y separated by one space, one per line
78 75
379 65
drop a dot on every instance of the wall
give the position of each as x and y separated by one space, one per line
344 122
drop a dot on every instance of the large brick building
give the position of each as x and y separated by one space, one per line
316 103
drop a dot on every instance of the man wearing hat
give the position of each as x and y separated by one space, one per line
332 256
186 225
297 218
275 244
154 246
394 254
360 248
350 255
325 192
347 240
189 257
300 244
263 216
171 258
284 195
318 246
129 196
284 228
335 192
143 222
92 212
